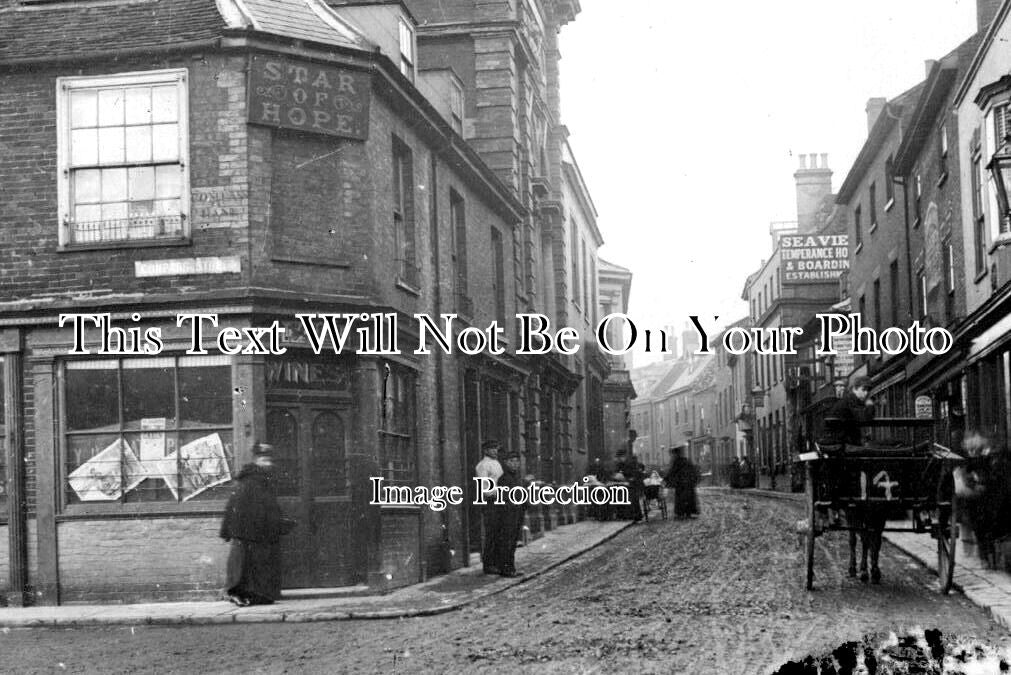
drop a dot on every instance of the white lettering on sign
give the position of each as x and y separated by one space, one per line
187 266
881 480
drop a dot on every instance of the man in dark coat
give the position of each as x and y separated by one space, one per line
683 477
510 516
253 523
634 473
849 413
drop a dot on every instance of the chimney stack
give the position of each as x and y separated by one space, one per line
986 10
689 341
874 107
814 184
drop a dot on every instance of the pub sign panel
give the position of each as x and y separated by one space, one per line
306 96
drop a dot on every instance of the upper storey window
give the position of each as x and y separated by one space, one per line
407 50
123 170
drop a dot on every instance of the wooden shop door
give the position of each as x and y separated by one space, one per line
311 442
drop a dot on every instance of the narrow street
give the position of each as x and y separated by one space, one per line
719 594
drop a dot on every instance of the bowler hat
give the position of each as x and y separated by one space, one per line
862 382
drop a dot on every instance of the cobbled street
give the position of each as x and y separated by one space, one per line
720 594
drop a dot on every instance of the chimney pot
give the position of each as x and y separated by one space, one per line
824 160
803 161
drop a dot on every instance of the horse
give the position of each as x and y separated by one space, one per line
868 521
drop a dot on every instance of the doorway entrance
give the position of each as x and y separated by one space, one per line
310 441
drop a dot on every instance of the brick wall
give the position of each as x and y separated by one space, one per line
128 560
28 207
399 563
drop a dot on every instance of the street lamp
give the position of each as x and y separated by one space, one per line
1000 171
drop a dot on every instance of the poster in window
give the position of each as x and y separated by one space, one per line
152 439
202 465
157 452
101 478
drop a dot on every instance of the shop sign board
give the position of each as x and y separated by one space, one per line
305 96
924 407
843 364
815 258
308 373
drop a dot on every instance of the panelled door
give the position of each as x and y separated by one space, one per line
311 445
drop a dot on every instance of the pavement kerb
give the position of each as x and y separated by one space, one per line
295 615
484 593
981 596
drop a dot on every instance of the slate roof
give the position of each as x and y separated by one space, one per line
298 19
72 29
68 30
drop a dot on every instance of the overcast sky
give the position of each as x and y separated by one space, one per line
686 119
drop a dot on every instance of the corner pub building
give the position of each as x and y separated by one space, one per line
253 160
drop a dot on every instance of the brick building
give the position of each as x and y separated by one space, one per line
927 171
254 161
799 279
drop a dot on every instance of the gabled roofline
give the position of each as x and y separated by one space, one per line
938 84
888 118
981 51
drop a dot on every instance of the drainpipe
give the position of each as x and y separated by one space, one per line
440 394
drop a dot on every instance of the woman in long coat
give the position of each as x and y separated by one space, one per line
683 477
253 523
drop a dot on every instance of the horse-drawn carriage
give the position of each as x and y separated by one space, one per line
904 474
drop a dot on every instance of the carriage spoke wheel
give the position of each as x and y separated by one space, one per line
947 537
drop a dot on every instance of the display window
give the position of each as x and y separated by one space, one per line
147 430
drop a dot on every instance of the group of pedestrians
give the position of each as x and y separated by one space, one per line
503 523
254 523
682 477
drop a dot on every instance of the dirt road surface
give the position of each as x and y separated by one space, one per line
719 594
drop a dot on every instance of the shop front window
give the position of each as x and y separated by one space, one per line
398 450
147 430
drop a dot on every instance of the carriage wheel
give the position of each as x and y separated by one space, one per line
947 537
811 517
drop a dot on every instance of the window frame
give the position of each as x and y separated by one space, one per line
979 227
872 198
458 221
996 116
393 428
857 227
118 507
942 154
889 183
65 86
917 196
406 43
405 242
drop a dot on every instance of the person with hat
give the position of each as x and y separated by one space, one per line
489 467
510 516
849 413
634 472
254 523
683 477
